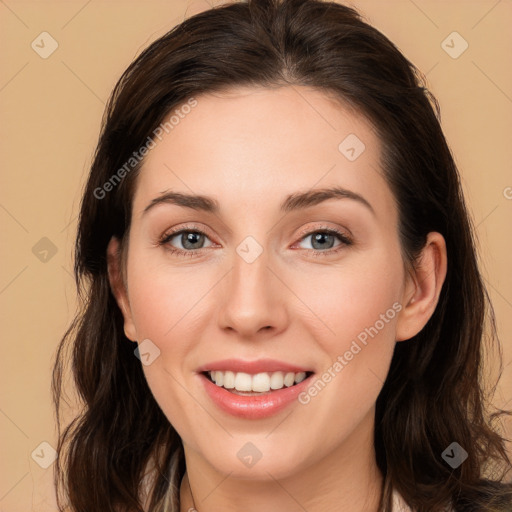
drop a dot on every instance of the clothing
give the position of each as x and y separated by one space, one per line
399 504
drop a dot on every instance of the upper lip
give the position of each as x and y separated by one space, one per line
252 367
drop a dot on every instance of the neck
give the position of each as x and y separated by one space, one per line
347 480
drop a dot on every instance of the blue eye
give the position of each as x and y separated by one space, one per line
324 240
192 241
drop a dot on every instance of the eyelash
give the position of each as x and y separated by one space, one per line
342 237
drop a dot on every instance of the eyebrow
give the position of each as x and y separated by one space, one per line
296 201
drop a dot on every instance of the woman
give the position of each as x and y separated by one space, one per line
282 305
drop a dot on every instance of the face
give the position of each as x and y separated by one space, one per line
268 281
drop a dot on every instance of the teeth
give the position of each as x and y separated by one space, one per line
243 382
261 382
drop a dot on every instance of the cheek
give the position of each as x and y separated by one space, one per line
167 309
164 299
353 296
358 306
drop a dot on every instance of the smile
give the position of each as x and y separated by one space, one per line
247 391
248 384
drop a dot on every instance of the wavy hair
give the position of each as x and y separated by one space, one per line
120 453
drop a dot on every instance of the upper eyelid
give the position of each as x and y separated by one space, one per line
181 229
340 231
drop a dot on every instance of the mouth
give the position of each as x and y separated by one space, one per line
254 389
246 384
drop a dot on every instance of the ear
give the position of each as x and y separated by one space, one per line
118 286
423 287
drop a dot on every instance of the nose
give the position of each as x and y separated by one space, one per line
253 299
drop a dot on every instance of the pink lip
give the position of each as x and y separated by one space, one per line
251 367
253 407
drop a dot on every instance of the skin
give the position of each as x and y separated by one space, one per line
249 149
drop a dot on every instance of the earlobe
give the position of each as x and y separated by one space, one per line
423 288
118 287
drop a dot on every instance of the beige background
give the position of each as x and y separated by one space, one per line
51 110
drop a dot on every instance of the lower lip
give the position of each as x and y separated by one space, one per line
256 406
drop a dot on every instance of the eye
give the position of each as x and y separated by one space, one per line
189 241
323 240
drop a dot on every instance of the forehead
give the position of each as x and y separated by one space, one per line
257 145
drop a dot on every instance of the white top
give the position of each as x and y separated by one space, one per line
399 504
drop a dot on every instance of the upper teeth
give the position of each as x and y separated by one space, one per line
261 382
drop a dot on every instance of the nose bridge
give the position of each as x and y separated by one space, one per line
251 300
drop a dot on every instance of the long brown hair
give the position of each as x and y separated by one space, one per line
434 393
